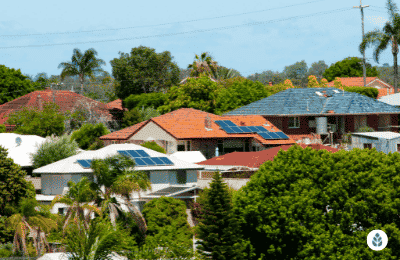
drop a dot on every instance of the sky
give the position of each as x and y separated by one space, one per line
249 36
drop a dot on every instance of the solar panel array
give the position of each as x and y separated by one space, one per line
142 158
230 128
85 163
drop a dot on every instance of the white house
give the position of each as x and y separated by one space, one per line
175 178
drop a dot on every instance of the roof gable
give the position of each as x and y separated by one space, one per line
306 101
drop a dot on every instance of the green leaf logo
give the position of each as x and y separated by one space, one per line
377 240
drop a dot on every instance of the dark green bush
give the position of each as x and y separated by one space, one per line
154 146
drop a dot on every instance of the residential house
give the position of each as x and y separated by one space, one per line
189 129
189 156
305 112
393 100
384 88
382 141
175 178
116 109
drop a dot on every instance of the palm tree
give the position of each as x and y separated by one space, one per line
77 198
115 177
83 65
34 218
381 38
203 65
225 73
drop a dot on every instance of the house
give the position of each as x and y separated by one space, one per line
175 178
393 100
189 129
65 99
305 112
189 156
384 88
383 141
117 109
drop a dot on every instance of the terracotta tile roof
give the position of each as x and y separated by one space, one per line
189 123
255 159
301 137
65 99
124 134
116 104
359 81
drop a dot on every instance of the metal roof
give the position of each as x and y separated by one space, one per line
393 100
306 101
379 135
171 191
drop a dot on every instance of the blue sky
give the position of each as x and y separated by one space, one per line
243 35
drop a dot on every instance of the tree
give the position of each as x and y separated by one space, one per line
53 150
268 76
311 204
37 222
32 121
88 133
131 117
148 113
382 38
97 144
13 84
197 93
144 71
296 72
154 146
225 73
155 100
13 186
349 67
317 69
2 128
219 231
203 65
115 174
82 65
238 95
78 198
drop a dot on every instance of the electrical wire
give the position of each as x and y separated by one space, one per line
146 26
182 33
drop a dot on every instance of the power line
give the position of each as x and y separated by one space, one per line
155 25
181 33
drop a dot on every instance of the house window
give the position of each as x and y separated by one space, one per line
61 211
187 145
181 176
220 147
367 146
247 145
398 147
113 142
294 122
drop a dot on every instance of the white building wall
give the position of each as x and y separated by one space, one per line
54 184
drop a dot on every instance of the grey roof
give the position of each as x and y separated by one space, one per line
379 135
306 101
393 99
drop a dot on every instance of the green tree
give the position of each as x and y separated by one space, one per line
268 76
54 149
148 113
296 72
144 71
88 133
219 230
382 38
116 175
2 128
37 222
154 146
225 73
6 232
96 145
238 95
311 204
82 65
317 69
32 121
196 93
349 67
130 118
155 100
13 84
13 186
203 65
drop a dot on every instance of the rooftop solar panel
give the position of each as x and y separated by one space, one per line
166 161
84 163
229 123
246 129
142 153
124 153
253 129
274 135
148 161
264 135
228 130
237 129
261 129
157 160
140 162
133 153
282 135
221 123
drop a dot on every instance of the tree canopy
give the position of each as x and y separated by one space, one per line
88 134
349 67
311 204
143 71
145 100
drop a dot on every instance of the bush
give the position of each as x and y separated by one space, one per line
97 144
130 118
155 100
366 91
365 129
88 134
2 128
154 146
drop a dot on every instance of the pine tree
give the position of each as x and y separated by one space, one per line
219 230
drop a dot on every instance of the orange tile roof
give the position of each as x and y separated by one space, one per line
255 159
125 133
189 123
65 99
359 81
116 104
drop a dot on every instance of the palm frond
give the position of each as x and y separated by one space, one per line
381 47
370 39
61 199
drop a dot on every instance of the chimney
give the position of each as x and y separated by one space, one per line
40 102
72 88
270 83
207 122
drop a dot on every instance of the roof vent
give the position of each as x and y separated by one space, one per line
319 93
18 141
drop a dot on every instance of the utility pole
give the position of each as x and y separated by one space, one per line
362 23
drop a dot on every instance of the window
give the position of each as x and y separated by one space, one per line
187 145
181 176
61 211
181 147
294 122
398 147
220 147
247 145
367 146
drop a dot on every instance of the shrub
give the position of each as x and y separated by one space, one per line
88 134
154 146
2 128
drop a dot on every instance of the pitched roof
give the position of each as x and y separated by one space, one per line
65 99
116 104
359 81
379 135
315 101
255 159
189 123
393 99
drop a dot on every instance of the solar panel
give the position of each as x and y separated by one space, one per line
261 129
124 153
228 130
265 136
237 129
148 161
84 163
142 153
282 135
246 129
221 123
229 123
157 160
133 153
274 135
253 129
166 161
140 162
